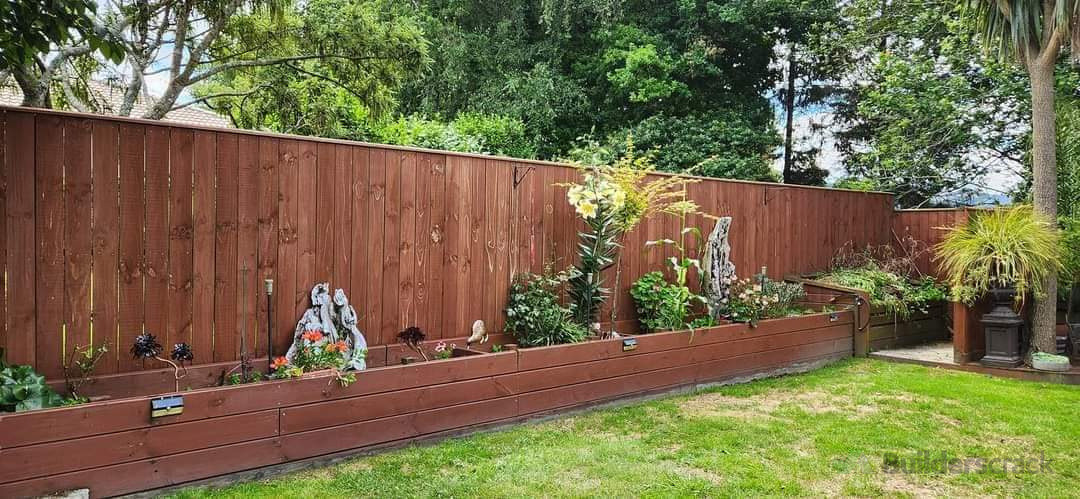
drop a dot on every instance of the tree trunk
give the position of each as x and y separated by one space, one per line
789 109
1044 189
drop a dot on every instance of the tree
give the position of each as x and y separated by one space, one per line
30 29
1035 33
187 42
321 96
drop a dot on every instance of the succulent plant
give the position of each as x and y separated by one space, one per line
411 336
181 352
146 346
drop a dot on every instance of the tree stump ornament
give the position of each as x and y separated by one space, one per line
719 270
337 320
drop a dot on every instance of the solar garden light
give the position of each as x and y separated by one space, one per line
268 284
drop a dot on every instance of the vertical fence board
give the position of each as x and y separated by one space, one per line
181 237
78 255
324 213
204 245
49 233
376 193
342 228
247 241
391 250
156 252
269 216
131 243
430 237
406 285
225 249
106 242
360 270
306 219
20 148
479 280
285 289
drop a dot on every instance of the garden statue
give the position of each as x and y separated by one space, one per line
357 352
479 333
719 270
337 320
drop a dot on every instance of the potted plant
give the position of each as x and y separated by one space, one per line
1005 253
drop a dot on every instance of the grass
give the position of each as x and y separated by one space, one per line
820 433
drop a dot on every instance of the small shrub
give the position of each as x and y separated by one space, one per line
1006 247
894 293
664 306
534 314
23 389
757 298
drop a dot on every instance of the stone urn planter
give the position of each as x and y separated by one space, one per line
1002 329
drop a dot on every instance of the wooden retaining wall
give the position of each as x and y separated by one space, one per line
113 447
888 331
112 226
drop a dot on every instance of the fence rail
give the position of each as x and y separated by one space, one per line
114 226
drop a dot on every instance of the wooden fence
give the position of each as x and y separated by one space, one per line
927 226
114 226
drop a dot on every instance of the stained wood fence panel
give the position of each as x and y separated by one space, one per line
928 227
114 226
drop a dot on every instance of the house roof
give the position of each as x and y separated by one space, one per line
108 98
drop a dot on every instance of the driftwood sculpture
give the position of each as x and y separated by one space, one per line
337 319
719 270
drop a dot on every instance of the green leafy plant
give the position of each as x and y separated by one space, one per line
894 293
78 368
444 351
668 306
496 348
239 378
534 314
23 389
1006 247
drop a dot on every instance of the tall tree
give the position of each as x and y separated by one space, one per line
30 29
185 42
1035 33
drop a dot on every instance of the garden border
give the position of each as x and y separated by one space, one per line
113 447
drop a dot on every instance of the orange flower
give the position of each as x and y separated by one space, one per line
280 362
341 346
313 336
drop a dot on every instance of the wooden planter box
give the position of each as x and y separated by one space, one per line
113 447
878 329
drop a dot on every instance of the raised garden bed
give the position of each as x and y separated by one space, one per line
878 329
113 447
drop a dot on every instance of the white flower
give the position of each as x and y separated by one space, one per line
587 209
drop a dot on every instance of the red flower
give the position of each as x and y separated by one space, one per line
280 362
313 336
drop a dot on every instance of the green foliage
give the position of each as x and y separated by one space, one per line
79 366
469 132
534 314
1006 247
758 298
239 378
895 293
29 29
661 306
334 97
23 389
857 184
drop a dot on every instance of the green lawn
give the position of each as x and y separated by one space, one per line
824 432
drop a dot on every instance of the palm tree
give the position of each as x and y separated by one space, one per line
1036 32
